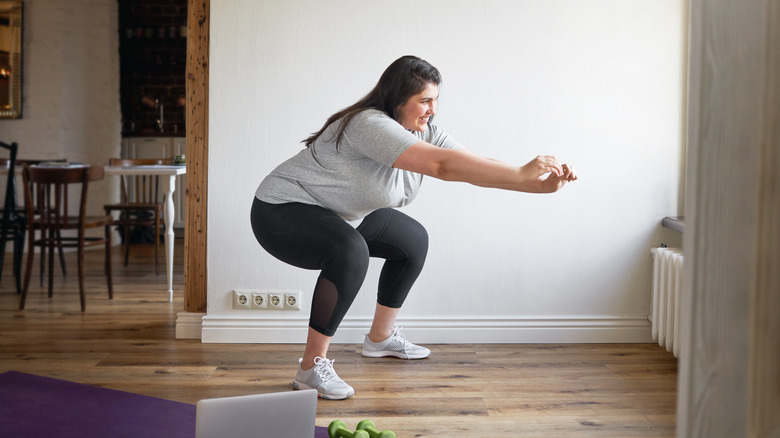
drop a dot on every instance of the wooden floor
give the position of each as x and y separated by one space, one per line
528 390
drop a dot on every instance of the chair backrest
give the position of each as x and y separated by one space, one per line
139 189
46 192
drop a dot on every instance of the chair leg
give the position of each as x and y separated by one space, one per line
108 263
18 251
28 271
43 255
51 270
81 273
127 242
62 255
105 267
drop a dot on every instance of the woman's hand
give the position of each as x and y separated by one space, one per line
545 174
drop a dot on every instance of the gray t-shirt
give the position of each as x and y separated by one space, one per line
358 178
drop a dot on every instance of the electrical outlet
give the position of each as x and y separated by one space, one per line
292 300
241 300
259 300
275 300
266 300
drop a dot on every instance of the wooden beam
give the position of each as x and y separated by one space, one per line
195 243
764 386
729 384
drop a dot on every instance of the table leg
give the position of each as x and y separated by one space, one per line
168 186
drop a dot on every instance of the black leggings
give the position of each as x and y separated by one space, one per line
312 237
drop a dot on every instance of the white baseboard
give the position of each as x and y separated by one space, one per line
189 325
462 330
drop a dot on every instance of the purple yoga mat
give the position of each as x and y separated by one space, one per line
35 406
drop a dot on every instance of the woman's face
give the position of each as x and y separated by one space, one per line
414 114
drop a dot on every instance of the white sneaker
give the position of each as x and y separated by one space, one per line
396 345
324 379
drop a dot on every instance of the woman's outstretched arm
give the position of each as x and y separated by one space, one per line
543 174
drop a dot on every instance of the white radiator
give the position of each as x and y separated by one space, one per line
667 287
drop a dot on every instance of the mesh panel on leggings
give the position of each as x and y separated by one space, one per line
323 304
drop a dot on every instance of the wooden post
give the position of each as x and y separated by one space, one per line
729 382
764 369
195 249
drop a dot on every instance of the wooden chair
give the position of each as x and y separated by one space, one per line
46 195
140 204
22 211
14 223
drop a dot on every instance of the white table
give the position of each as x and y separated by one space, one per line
168 177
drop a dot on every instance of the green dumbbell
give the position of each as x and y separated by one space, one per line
338 429
370 427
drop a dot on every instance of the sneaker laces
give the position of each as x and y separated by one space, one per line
400 337
324 369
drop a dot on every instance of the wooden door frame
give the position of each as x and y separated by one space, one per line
729 385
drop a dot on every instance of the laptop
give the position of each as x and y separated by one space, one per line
276 415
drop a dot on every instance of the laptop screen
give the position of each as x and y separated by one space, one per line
276 415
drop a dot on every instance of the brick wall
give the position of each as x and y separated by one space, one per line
153 51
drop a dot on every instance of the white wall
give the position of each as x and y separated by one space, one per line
70 87
597 83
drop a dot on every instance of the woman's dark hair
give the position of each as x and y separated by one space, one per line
405 77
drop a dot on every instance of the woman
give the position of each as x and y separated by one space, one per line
367 159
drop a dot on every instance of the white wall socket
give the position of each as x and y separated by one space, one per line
266 300
259 300
292 300
241 299
275 300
